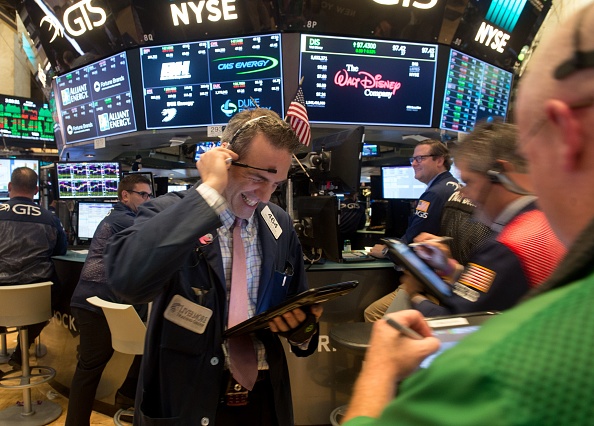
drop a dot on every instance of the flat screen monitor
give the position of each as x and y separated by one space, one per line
176 188
207 82
368 82
344 168
91 179
89 215
399 183
7 165
474 91
370 150
25 119
202 147
96 101
319 235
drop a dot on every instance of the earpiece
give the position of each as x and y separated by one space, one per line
500 177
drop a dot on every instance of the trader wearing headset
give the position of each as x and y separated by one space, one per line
524 250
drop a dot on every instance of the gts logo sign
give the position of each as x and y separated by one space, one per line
22 209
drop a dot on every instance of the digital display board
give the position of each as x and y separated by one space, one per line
95 101
207 82
7 166
93 179
22 118
474 91
370 82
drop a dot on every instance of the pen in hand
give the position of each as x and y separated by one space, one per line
407 331
432 240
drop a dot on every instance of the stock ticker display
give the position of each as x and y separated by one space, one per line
373 82
474 91
88 179
207 82
95 101
22 118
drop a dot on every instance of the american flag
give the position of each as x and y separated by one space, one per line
297 117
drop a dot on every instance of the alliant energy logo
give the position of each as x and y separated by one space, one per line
74 94
114 120
175 70
246 64
372 85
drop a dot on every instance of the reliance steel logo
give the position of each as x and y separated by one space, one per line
246 64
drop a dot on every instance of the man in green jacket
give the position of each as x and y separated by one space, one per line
532 364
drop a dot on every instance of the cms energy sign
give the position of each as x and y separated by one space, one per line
246 64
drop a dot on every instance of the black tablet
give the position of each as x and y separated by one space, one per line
308 297
404 256
453 328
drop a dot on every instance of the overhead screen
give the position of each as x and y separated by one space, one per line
474 91
92 180
207 82
25 119
369 82
95 101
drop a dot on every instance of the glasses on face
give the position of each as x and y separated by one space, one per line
246 166
419 158
145 195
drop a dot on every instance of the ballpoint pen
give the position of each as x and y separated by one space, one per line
408 332
432 240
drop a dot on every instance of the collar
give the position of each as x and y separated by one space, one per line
510 211
228 219
434 178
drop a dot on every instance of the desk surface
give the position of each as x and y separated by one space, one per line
73 256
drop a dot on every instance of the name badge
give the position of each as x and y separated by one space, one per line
187 314
271 221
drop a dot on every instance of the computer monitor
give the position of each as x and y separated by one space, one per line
89 215
318 227
343 167
176 188
7 166
90 179
202 147
370 150
399 183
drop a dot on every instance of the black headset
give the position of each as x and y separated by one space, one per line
500 178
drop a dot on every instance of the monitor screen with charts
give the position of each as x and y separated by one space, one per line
89 216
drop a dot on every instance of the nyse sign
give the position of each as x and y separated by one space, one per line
428 4
190 12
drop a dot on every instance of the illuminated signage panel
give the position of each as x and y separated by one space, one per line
95 101
474 91
368 82
25 119
205 83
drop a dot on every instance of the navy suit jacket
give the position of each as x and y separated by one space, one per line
161 256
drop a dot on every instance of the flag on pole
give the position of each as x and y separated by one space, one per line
297 118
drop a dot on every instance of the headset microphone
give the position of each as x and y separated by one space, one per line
499 177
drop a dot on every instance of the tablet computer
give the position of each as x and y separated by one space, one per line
308 297
453 328
404 256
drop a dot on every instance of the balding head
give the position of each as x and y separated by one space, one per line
555 112
23 183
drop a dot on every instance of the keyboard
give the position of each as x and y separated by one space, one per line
356 256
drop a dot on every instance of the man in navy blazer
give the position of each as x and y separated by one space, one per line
178 255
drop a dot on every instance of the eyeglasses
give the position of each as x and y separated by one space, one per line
246 166
143 194
419 158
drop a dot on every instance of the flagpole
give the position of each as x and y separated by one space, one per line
289 194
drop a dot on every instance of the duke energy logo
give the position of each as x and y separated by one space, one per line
505 13
229 108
